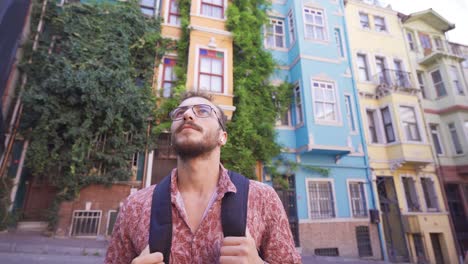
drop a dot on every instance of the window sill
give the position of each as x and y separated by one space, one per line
277 49
328 123
213 18
319 41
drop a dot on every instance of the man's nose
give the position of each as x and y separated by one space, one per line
188 114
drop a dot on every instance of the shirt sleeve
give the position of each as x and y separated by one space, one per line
121 249
278 244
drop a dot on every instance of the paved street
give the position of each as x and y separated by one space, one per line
23 258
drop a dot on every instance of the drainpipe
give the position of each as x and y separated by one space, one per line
383 248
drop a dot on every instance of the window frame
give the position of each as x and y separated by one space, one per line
298 106
274 22
420 76
365 68
410 38
426 194
291 28
435 132
223 70
417 124
380 28
364 202
441 82
324 101
388 124
313 11
279 120
457 83
374 119
331 197
350 113
222 6
455 138
339 42
417 203
170 14
365 24
173 62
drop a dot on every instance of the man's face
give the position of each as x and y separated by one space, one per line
193 136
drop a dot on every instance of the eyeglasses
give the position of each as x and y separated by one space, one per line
200 110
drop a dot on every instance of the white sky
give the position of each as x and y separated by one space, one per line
455 11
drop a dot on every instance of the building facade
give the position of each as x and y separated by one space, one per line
440 75
411 203
329 212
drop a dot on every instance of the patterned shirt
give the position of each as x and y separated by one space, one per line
266 220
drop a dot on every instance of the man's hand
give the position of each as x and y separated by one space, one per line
147 258
239 250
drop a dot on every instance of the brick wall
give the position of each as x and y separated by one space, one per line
101 198
341 235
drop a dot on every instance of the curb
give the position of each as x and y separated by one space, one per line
46 249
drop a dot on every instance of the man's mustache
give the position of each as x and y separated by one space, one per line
189 123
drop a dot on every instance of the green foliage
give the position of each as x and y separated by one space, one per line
5 190
258 103
88 95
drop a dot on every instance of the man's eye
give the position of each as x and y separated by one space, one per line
203 110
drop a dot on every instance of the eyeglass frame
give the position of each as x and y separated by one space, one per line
187 107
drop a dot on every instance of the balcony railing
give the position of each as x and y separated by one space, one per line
438 48
393 79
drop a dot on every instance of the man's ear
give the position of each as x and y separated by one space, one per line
222 138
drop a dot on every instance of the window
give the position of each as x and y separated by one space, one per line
358 199
314 24
339 42
455 139
284 119
422 83
322 205
147 7
372 126
350 113
388 126
438 83
212 8
456 80
379 23
438 43
211 70
298 104
381 69
411 195
419 248
466 130
174 13
86 222
292 34
410 124
425 42
111 219
430 195
169 77
364 20
400 74
411 42
363 241
436 139
363 68
325 101
275 34
465 62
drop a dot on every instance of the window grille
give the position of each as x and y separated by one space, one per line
363 241
86 223
322 205
328 252
358 199
411 195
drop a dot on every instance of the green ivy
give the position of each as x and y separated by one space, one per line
258 103
88 96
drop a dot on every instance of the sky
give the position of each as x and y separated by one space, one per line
455 11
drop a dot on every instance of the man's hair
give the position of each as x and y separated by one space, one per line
219 112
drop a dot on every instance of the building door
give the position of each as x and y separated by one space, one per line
39 198
164 160
391 219
455 203
288 198
437 248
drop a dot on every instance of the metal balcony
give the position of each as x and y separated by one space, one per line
393 80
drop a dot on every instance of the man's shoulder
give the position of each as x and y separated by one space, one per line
141 197
260 188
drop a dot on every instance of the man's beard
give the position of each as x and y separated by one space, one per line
190 149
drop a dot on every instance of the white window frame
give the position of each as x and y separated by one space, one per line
422 84
351 117
384 26
339 42
168 14
436 193
161 73
152 8
273 23
224 8
333 196
299 110
197 69
315 12
360 14
441 82
377 124
434 130
457 82
279 120
336 102
418 124
364 192
453 128
392 123
86 211
411 41
416 190
108 221
366 68
291 28
465 129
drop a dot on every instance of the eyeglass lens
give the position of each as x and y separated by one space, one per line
200 110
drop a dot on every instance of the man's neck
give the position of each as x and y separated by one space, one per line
200 174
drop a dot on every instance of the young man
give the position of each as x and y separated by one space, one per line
198 185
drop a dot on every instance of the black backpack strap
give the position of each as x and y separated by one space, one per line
160 235
234 207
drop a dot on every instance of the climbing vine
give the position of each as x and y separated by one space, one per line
88 96
258 103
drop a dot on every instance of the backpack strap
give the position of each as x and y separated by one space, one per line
234 207
160 236
233 213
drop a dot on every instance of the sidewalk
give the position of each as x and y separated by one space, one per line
36 243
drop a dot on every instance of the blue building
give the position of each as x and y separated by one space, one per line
330 213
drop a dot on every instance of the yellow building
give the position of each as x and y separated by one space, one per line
209 66
414 219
